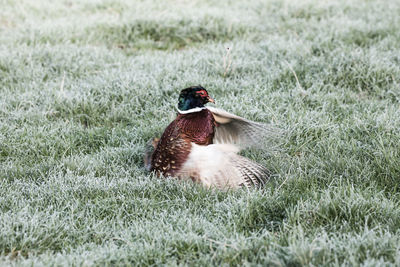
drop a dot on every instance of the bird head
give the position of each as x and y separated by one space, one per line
193 97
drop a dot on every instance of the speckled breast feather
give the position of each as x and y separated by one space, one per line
175 143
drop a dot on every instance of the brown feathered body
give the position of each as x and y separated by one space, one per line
174 146
203 146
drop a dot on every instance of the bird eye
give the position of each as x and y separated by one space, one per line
202 93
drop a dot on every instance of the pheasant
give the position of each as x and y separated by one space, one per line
202 144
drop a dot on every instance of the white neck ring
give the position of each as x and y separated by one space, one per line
192 110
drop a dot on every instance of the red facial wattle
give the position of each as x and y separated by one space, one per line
203 94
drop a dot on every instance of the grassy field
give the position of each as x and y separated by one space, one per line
84 85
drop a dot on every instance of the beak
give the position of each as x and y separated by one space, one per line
211 100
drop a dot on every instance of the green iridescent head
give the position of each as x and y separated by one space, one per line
193 97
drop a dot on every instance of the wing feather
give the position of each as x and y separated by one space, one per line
233 129
218 165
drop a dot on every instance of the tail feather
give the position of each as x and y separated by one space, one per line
149 150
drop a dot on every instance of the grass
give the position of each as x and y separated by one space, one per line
85 85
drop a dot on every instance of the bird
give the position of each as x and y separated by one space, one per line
202 144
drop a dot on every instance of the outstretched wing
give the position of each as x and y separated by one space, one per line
218 165
232 129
